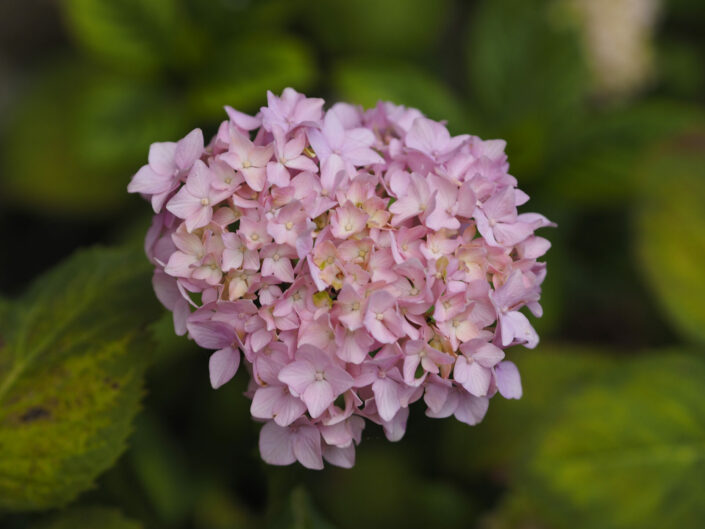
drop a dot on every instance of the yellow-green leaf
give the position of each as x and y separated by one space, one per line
134 35
71 368
240 73
77 157
670 238
627 452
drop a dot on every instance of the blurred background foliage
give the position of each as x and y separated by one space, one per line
602 103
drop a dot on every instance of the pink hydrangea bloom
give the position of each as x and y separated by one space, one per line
354 262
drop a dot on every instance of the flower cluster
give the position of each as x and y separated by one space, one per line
359 260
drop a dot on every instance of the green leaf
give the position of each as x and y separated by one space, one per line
514 511
299 513
670 237
599 163
89 145
89 518
133 35
549 374
218 508
366 83
405 493
627 452
522 62
389 27
250 17
71 376
162 470
241 72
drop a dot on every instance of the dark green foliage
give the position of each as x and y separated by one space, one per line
609 433
366 83
89 518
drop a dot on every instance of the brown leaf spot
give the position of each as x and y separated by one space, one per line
34 414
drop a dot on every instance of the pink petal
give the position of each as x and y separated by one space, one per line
183 204
515 325
148 182
288 409
488 355
259 156
319 144
161 157
264 400
508 380
200 218
377 329
396 428
255 177
189 149
166 290
223 365
340 457
435 396
386 397
242 120
298 376
275 444
477 380
339 379
277 174
211 334
199 180
318 396
307 447
471 410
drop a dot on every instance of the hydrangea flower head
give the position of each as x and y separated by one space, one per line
359 261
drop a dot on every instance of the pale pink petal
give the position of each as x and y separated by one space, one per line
477 380
435 396
199 180
180 265
395 429
318 396
340 457
200 218
255 177
298 376
223 365
471 410
183 204
288 409
264 400
189 149
508 380
386 397
161 157
259 156
307 447
488 355
275 444
148 182
211 334
277 174
339 379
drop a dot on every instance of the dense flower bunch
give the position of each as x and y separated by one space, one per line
359 260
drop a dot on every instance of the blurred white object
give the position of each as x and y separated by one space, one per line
618 37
